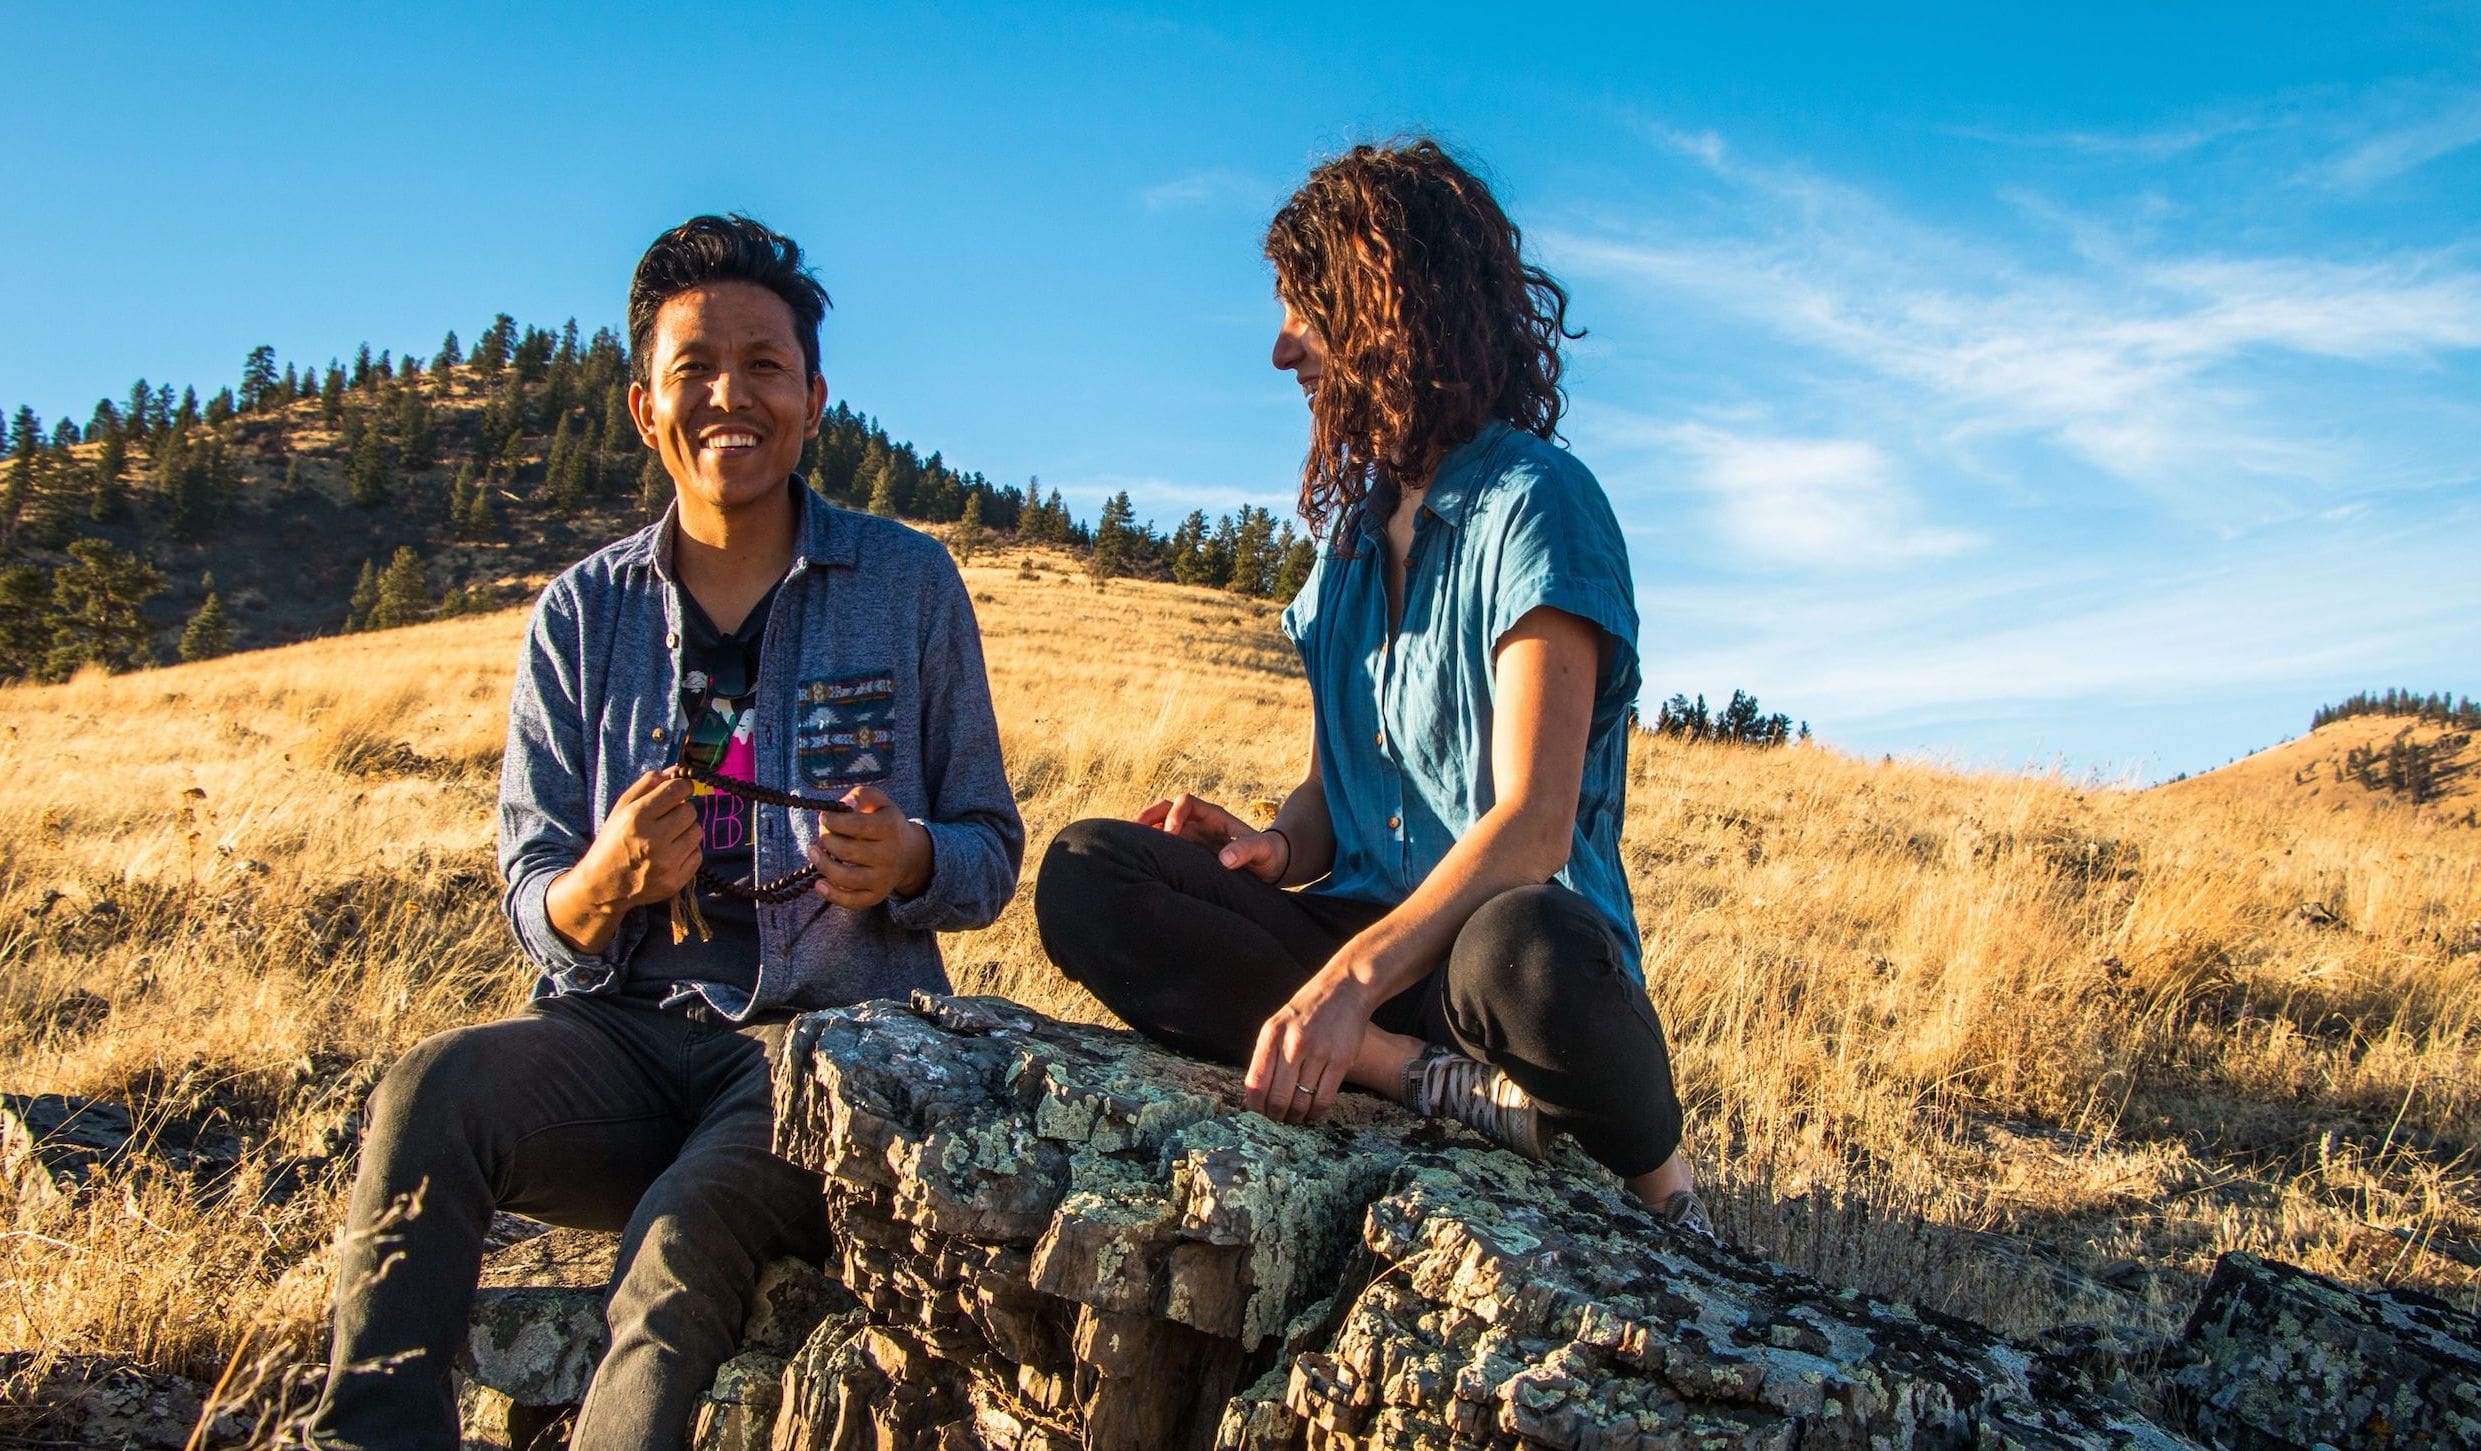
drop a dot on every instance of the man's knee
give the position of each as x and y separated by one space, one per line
437 1085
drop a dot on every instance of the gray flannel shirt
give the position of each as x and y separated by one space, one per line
871 672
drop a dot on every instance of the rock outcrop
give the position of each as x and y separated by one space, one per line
1061 1236
56 1146
1052 1236
2281 1357
537 1333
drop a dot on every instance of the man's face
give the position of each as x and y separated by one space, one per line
729 398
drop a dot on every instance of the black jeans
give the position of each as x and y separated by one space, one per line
1197 956
592 1112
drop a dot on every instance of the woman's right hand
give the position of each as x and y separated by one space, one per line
1238 845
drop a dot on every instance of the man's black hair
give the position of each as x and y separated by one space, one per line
723 249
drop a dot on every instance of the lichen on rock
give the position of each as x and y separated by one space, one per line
1053 1236
1061 1232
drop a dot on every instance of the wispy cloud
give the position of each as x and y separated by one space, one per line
2399 148
1218 187
2126 363
2149 144
1816 502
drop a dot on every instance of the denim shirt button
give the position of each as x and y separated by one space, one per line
1394 823
658 733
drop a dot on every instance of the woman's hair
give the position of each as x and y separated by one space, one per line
1433 322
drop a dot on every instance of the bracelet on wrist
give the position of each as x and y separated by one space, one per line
1286 869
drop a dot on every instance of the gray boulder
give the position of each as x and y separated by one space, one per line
2280 1357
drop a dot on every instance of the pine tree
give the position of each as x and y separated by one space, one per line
366 473
98 603
221 407
332 395
258 379
561 478
1187 551
416 433
1300 555
1112 538
209 633
25 438
404 592
364 370
1253 554
106 501
365 598
479 520
883 491
450 355
654 485
141 403
25 620
492 348
189 415
181 484
970 539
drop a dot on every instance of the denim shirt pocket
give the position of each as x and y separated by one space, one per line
844 728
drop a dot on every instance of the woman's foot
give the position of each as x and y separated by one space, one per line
1686 1212
1442 1083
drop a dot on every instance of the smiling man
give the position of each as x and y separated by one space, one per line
754 637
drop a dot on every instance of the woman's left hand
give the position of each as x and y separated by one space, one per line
1306 1048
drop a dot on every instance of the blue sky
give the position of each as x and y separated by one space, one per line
2099 386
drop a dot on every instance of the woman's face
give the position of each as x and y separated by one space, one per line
1300 351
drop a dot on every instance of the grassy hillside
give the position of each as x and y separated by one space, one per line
2001 1045
2343 767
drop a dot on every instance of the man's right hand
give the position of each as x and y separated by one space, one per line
1265 855
648 848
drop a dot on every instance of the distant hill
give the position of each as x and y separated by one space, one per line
2363 764
495 467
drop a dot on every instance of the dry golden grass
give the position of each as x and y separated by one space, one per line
2008 1046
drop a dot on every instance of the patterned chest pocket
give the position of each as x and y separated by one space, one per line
844 729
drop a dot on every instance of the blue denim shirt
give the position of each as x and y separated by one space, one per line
1509 523
871 671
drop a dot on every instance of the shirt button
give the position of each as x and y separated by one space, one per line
1394 822
672 641
658 733
1382 740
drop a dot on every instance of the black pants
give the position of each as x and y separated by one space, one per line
593 1112
1197 956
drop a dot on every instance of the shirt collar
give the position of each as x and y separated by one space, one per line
821 533
1461 474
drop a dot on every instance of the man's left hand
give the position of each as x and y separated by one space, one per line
871 853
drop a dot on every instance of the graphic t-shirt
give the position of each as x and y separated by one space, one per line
719 693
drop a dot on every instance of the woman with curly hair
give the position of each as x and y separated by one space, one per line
1461 937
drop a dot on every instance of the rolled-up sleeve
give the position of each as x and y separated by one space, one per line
977 838
1558 544
546 812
